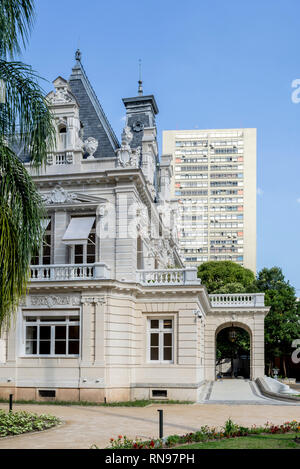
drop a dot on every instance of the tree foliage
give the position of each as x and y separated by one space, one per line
282 324
26 124
226 277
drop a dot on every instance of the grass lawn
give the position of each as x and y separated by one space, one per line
262 441
140 403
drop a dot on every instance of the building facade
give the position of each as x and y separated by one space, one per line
111 311
214 181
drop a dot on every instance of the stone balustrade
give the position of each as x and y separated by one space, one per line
60 272
151 278
60 158
237 299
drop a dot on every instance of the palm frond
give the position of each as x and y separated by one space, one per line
21 211
16 19
25 113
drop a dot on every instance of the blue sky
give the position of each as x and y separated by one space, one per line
210 64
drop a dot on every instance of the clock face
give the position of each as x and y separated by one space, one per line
138 126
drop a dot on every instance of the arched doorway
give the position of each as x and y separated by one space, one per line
233 345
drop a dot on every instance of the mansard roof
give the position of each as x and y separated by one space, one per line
91 114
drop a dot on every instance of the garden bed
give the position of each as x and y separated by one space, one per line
206 435
16 423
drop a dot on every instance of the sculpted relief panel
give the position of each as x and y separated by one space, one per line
50 301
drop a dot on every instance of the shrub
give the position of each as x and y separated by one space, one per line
15 423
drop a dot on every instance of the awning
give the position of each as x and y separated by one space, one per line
78 230
45 223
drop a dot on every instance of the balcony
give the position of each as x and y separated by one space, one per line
60 158
63 272
237 300
151 278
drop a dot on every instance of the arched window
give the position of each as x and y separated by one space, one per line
62 137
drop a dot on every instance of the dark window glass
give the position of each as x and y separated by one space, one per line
73 332
168 340
78 254
154 340
45 332
45 347
154 323
60 332
168 353
60 347
154 353
74 347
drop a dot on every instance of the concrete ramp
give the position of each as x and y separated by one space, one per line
234 391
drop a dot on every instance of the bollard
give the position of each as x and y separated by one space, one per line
105 400
10 402
161 423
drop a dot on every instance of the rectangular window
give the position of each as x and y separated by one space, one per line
84 253
52 336
43 254
160 336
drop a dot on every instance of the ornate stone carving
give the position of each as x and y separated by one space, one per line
126 137
127 156
61 95
50 158
54 300
58 196
50 300
91 145
92 299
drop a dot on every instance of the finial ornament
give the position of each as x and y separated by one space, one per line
78 55
140 89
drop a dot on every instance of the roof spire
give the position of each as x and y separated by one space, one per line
140 88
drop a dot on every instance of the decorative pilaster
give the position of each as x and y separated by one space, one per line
92 330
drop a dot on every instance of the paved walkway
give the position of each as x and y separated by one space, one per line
236 392
84 426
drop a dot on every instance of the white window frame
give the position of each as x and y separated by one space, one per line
84 247
161 331
48 232
52 323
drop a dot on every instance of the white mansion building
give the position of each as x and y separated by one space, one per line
111 311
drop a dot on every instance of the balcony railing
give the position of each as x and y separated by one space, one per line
60 158
40 273
237 299
168 277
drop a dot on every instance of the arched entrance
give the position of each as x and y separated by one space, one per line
251 319
233 351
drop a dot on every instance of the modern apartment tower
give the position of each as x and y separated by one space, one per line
214 180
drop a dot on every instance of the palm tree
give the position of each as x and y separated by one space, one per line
25 122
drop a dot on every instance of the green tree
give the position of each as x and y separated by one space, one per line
25 123
282 324
232 347
226 277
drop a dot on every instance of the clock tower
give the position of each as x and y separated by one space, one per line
140 119
140 114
